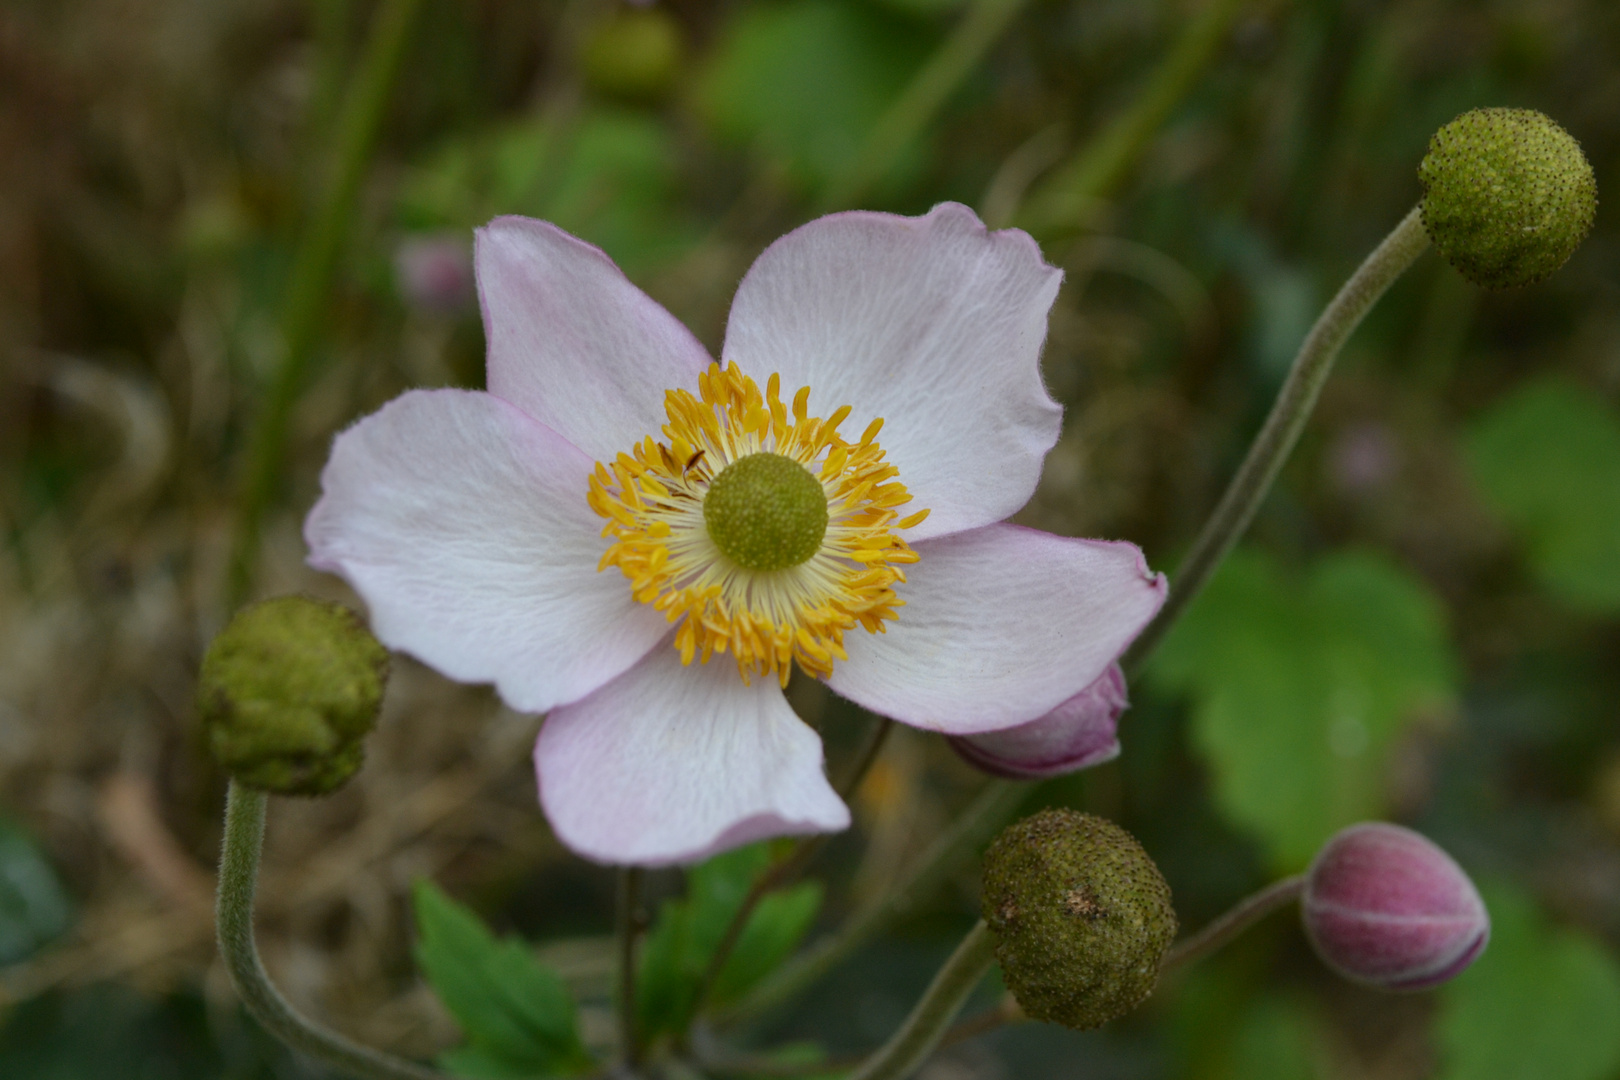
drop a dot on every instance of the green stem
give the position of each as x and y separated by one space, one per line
1282 429
238 880
922 99
1245 914
1070 198
997 803
788 869
629 930
931 1017
309 284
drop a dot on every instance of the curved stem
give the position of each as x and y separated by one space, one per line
309 285
1245 914
787 870
1288 417
238 880
933 1013
629 930
997 803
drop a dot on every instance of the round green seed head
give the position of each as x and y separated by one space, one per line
288 692
1081 915
766 512
1507 196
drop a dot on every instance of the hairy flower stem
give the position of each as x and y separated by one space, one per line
993 807
1282 429
238 879
786 871
974 34
629 932
309 285
932 1015
1243 915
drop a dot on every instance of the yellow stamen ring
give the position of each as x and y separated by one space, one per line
652 499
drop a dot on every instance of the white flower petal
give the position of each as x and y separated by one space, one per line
572 342
672 764
1000 625
934 324
463 523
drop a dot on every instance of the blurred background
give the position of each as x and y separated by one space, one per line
230 227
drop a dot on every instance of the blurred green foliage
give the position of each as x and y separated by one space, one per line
34 908
1301 683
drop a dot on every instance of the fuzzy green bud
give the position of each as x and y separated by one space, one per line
288 692
1081 915
1507 196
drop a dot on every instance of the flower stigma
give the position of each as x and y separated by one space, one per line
760 530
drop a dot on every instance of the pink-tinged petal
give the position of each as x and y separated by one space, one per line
671 764
934 324
463 524
1000 626
1079 733
572 342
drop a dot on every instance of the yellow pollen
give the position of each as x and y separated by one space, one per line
652 501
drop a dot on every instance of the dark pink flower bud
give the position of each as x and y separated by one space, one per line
1078 734
435 273
1386 907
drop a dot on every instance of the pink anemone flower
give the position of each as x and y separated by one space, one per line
642 544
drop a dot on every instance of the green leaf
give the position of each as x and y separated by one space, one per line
1542 1003
1273 1041
677 951
517 1014
34 908
1548 460
803 82
1300 684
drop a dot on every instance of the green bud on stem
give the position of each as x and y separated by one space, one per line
288 692
1508 196
1081 915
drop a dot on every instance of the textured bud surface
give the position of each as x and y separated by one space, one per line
1080 733
1508 195
287 693
1081 915
1386 907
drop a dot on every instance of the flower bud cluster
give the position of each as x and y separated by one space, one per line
1508 196
1081 915
288 692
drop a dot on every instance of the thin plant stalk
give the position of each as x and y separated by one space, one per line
993 807
309 285
238 881
787 870
629 934
931 1017
974 34
1289 415
1069 199
1243 915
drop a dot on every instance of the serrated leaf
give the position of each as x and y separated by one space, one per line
1542 1003
34 907
1300 683
517 1014
1548 459
804 82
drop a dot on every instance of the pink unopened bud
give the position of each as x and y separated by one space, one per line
1078 734
435 273
1386 907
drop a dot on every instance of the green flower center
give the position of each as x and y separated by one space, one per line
766 512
